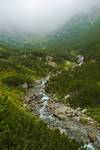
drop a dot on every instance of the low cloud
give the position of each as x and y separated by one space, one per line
40 15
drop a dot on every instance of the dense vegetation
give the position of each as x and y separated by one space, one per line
81 83
19 129
84 92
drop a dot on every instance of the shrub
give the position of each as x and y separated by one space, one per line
14 80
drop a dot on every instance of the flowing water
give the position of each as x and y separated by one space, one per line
68 126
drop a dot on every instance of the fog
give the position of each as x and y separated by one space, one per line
40 16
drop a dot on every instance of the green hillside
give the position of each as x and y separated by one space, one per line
82 83
19 128
76 36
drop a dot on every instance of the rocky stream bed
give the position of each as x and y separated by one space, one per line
72 122
62 117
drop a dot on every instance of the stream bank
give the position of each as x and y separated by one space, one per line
64 118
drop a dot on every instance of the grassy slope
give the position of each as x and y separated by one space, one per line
19 129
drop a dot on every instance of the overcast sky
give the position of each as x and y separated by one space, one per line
40 15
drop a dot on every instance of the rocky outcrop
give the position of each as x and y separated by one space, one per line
92 136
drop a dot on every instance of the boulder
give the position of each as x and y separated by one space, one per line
78 109
67 96
61 109
77 118
26 98
25 105
61 130
69 115
92 123
24 86
84 111
92 136
59 115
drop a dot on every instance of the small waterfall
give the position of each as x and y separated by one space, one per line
80 60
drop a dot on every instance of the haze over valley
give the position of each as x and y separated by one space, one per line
49 75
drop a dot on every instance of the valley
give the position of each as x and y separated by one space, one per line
50 87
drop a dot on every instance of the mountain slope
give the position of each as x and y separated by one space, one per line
81 83
79 32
